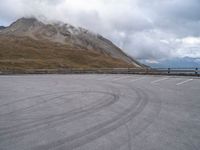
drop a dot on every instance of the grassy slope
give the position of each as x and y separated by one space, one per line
26 53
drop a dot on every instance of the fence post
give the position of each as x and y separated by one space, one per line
196 71
168 70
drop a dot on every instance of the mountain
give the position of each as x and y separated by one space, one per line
185 62
29 43
2 27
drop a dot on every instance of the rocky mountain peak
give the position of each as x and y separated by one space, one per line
66 34
22 26
26 23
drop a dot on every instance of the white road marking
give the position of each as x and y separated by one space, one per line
137 79
120 78
184 82
156 81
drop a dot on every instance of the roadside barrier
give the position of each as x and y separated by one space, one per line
153 71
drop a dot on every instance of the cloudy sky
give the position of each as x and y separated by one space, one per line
149 30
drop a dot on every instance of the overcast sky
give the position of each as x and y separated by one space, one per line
146 29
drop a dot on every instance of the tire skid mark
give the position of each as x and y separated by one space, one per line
43 101
26 99
99 130
150 120
146 122
33 97
33 105
19 130
33 119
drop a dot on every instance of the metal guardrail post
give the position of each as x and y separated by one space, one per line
196 71
169 70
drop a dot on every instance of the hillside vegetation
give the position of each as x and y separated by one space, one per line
19 53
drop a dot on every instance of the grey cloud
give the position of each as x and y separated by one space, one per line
145 29
148 45
177 16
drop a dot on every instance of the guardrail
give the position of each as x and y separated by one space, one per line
186 71
154 71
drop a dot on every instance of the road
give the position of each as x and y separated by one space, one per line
99 112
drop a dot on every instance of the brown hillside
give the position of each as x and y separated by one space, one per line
26 53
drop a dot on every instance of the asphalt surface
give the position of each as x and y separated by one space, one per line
99 112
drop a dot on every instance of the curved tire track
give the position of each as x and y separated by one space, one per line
21 129
101 129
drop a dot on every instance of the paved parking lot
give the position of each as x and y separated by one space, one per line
99 112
